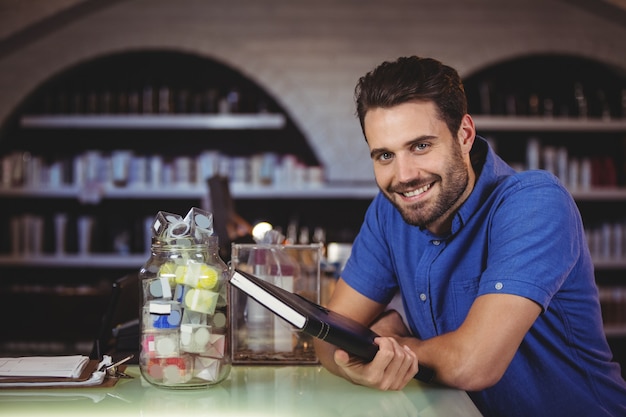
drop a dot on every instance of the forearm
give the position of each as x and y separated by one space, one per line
438 359
458 359
436 354
476 355
325 353
453 365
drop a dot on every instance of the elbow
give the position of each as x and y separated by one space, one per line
474 377
477 382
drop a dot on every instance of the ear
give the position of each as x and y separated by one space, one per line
467 133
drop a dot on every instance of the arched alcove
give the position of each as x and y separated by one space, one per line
561 100
547 85
176 83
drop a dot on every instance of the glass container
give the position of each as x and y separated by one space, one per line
258 336
184 306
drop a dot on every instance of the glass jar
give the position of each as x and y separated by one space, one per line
184 314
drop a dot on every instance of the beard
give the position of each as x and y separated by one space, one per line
424 213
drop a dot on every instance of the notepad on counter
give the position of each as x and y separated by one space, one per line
55 372
70 366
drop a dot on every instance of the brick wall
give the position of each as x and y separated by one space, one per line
309 55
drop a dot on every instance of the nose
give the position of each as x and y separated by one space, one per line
406 168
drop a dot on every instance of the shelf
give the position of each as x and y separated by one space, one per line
90 261
177 191
248 191
114 260
351 191
600 194
615 330
155 121
605 264
50 192
521 123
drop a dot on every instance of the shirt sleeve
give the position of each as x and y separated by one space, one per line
534 239
369 269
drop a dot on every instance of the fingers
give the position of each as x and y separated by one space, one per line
401 365
342 358
392 368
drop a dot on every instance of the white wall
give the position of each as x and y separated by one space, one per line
309 54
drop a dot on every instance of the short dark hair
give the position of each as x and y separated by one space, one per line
413 79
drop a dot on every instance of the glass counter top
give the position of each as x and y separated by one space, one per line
258 391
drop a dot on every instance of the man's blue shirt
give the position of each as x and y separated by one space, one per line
517 233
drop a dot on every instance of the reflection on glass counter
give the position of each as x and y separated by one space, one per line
248 391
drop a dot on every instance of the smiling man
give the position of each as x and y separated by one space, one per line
492 265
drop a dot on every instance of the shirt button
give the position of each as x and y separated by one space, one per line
499 285
436 242
423 297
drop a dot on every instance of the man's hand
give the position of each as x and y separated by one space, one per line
392 368
394 365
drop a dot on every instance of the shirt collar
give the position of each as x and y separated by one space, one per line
490 170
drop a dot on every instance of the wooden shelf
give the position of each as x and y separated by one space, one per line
89 261
155 121
177 191
615 330
113 260
600 194
605 264
551 124
248 191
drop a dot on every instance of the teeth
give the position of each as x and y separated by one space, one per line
417 192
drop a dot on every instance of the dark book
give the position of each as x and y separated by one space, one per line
313 319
